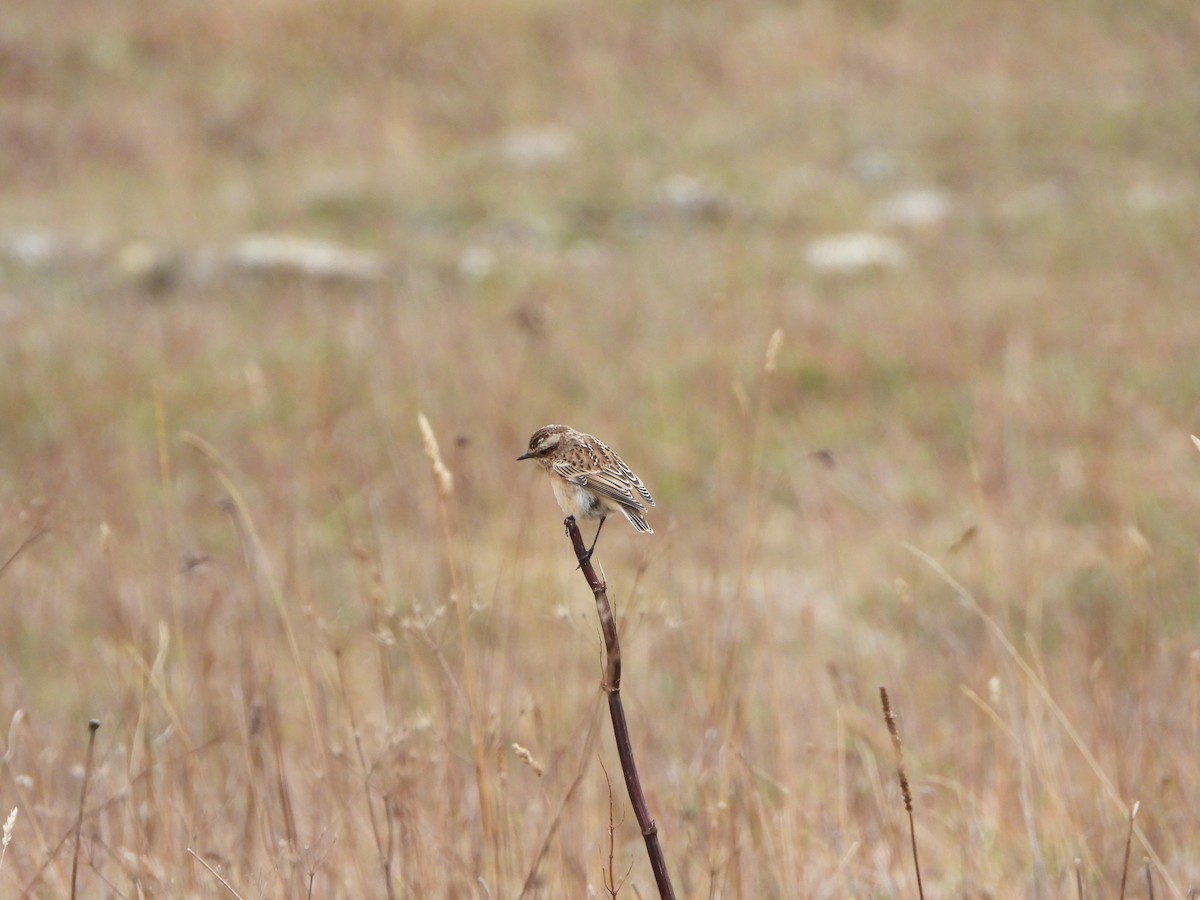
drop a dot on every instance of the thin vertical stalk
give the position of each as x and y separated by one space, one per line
612 686
890 720
93 727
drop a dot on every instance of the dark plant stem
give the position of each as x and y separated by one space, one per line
612 686
1128 846
890 720
93 727
29 541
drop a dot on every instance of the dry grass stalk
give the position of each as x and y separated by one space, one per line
612 884
37 532
770 363
259 563
890 720
385 851
967 599
1128 846
217 875
93 727
589 743
444 481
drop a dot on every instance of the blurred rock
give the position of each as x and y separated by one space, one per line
154 269
853 252
286 254
1152 197
916 208
539 146
688 196
36 249
476 263
874 164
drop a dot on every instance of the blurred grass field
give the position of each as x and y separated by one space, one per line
310 668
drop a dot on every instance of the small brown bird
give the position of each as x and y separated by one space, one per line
589 480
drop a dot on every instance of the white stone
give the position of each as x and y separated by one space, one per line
853 252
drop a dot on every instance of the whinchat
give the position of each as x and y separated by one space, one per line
589 480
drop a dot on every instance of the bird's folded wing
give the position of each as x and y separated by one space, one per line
606 483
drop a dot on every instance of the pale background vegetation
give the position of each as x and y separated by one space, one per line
598 213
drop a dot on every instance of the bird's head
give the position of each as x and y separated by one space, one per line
544 442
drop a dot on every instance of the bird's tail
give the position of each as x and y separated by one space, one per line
637 520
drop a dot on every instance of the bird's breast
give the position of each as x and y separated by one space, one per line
577 501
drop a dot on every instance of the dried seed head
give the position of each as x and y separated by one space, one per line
441 474
773 350
526 757
8 828
895 733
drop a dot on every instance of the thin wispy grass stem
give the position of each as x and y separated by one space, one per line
217 875
444 482
967 599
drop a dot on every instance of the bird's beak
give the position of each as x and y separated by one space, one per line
524 456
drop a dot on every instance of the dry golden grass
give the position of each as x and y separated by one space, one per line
968 479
